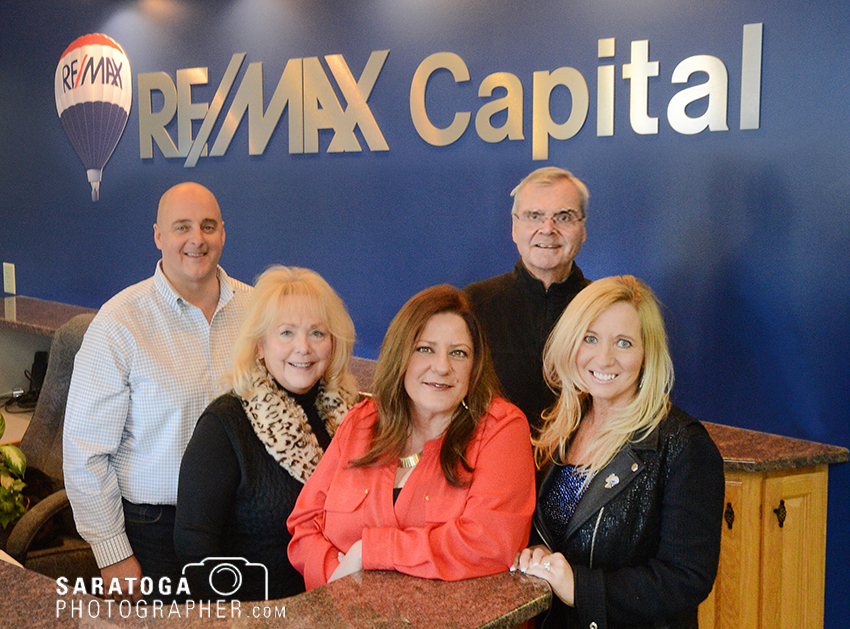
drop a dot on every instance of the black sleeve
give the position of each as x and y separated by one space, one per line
209 476
681 575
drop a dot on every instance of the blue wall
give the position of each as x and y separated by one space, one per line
741 233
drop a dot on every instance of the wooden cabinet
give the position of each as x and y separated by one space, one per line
794 551
773 551
734 600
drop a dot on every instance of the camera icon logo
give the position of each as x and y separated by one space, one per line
229 578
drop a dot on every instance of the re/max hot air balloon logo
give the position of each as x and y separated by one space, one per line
94 90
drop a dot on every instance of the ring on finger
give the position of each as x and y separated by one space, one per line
547 566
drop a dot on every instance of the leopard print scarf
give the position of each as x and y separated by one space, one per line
282 426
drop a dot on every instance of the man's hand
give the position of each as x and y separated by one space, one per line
129 574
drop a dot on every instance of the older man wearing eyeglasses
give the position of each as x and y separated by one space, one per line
520 308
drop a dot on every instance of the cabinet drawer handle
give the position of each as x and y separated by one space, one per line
781 513
729 515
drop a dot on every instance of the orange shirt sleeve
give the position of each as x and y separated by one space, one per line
310 552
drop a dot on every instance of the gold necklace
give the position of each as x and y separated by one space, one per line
409 461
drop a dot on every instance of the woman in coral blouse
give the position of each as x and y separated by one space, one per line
433 476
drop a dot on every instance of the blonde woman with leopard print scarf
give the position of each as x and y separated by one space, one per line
255 446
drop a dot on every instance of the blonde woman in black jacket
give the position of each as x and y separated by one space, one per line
630 503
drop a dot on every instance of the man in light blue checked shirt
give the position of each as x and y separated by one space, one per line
146 370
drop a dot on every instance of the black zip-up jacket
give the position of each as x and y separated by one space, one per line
644 540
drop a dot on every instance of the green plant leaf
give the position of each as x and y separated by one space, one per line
9 482
11 506
14 458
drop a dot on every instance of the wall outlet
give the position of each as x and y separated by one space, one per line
9 278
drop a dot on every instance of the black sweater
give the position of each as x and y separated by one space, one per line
234 498
518 314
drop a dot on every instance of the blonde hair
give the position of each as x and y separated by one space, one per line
652 402
547 176
390 432
274 288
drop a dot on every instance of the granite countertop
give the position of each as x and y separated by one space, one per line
751 451
385 600
36 316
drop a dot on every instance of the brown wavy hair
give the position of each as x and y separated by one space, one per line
391 430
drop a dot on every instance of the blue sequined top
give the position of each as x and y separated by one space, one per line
558 506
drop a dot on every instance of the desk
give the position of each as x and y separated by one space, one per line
385 600
26 327
773 546
36 316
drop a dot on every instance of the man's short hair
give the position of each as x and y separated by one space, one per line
547 176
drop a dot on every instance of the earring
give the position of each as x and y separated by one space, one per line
463 404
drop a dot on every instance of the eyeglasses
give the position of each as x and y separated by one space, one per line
561 218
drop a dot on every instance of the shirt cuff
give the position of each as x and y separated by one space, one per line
112 550
376 551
